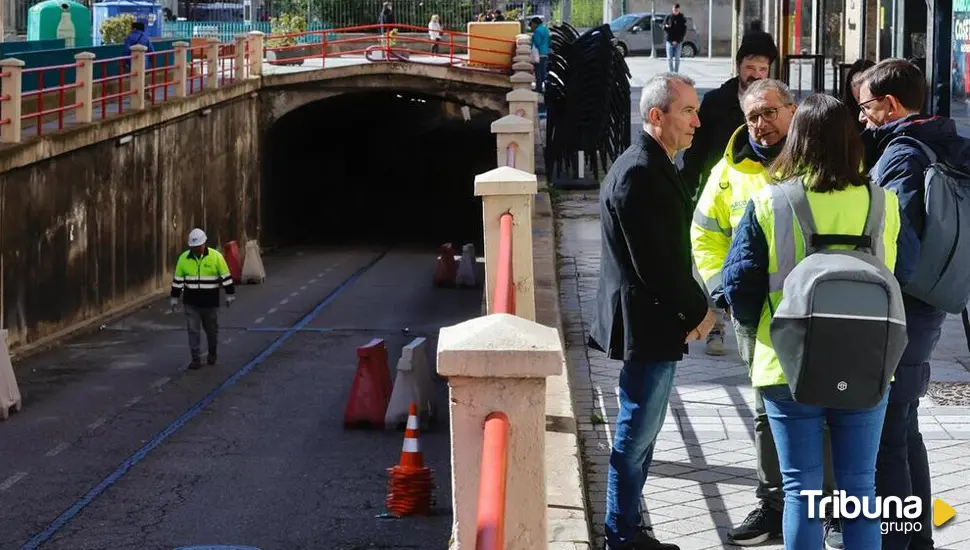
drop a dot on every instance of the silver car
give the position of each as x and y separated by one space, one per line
634 31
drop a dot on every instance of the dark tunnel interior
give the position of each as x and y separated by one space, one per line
384 167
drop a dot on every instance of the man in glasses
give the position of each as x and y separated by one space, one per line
891 98
720 116
768 107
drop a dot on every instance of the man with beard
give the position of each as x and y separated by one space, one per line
720 116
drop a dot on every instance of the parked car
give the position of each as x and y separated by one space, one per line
633 31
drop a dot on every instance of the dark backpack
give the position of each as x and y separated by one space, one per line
840 328
942 276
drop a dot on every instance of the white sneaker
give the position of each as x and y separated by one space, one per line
715 342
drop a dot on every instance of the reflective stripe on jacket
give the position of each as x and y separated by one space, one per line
733 181
841 212
201 278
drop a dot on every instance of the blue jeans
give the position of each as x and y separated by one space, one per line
644 392
542 69
903 468
673 56
855 442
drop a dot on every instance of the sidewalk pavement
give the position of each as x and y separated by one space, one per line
703 477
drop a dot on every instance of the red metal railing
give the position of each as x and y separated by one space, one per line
492 482
503 301
42 115
3 98
330 43
158 75
104 94
195 76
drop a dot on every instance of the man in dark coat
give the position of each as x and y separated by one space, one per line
720 117
648 304
891 99
675 29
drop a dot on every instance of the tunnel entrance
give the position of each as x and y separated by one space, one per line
383 167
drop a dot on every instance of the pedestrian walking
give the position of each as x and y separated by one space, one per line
648 304
199 274
675 29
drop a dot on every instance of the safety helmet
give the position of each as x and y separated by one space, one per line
197 237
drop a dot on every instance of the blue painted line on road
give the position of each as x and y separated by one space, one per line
189 414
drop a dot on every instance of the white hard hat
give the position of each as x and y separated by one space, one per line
197 237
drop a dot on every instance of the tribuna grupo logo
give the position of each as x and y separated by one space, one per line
897 515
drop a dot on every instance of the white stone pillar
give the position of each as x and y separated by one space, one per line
519 131
212 63
525 103
509 190
136 77
181 68
11 109
85 90
499 363
240 62
256 53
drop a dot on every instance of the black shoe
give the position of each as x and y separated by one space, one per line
212 358
644 541
833 535
761 525
195 364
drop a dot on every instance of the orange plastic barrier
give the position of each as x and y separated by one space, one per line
446 269
231 253
371 390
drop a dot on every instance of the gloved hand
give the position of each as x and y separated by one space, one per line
230 299
174 303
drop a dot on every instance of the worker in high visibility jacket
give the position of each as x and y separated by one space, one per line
199 274
768 107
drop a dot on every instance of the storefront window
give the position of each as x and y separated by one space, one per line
960 80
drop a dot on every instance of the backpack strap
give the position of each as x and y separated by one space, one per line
930 153
789 203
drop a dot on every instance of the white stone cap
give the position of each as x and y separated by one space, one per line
522 66
256 33
140 48
522 95
506 180
83 56
512 124
521 77
241 36
499 346
179 45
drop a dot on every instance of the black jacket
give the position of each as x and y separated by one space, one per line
648 299
675 27
720 115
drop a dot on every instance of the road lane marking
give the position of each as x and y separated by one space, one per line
303 287
272 310
259 320
294 294
160 382
12 480
57 450
133 401
312 281
97 423
321 274
78 505
284 301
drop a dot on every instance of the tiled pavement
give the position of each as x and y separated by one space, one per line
703 477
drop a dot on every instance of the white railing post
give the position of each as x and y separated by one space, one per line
84 93
136 76
181 68
509 190
256 51
525 103
500 363
239 65
519 131
11 109
212 63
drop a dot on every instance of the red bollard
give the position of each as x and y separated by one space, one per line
231 253
446 269
371 390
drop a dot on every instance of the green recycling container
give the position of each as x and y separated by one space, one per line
60 19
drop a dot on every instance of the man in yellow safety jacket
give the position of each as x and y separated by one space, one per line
200 272
768 107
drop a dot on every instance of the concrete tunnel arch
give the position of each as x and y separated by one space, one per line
378 166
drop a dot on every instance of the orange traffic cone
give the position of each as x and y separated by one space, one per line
410 483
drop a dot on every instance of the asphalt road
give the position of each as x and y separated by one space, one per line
120 447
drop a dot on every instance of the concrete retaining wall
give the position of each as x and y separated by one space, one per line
90 221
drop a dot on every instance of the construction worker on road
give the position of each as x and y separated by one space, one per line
201 271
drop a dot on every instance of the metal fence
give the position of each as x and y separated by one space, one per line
19 22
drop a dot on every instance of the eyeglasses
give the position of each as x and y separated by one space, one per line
865 104
769 115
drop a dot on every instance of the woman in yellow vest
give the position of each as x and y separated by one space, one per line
825 151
